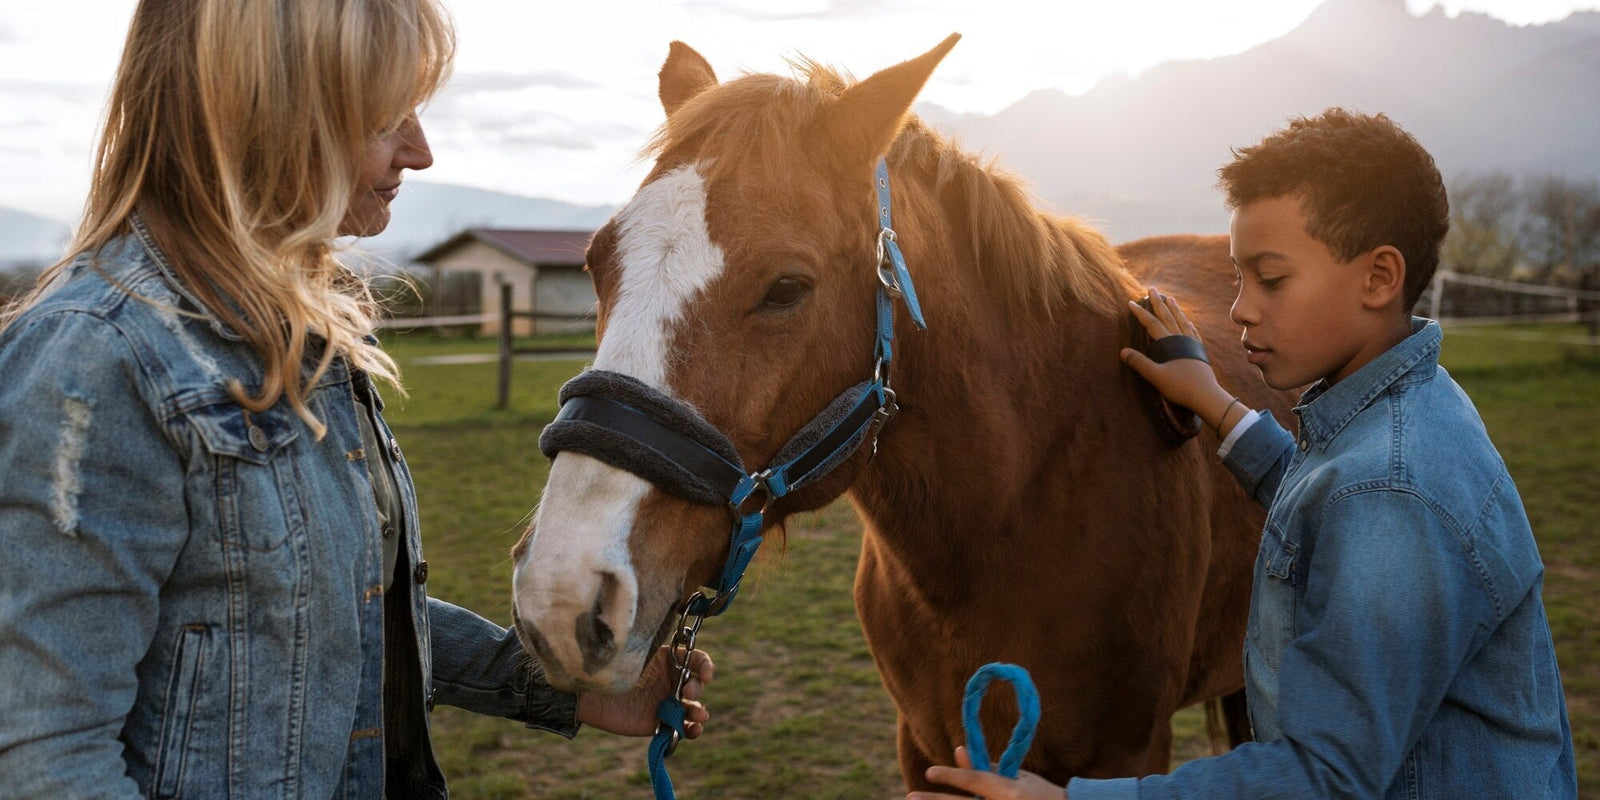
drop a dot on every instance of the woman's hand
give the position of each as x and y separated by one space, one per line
633 713
1026 786
1183 381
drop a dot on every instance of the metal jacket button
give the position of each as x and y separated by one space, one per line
258 439
388 531
394 449
420 574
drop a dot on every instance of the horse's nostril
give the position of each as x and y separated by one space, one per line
595 638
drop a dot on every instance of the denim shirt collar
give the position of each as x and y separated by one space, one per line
1325 409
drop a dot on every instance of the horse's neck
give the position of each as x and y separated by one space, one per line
990 397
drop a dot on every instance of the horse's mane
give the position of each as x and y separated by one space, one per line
1040 258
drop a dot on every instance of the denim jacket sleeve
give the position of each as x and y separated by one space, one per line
481 667
1260 457
1392 610
83 566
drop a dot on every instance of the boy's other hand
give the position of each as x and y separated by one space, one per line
1026 786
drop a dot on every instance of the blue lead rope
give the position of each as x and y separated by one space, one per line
1027 718
670 714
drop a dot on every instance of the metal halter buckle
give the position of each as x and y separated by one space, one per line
886 273
885 413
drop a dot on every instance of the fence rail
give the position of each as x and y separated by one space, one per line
436 322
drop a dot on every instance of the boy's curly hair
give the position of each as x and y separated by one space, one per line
1363 182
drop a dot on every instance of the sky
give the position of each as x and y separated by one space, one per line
555 99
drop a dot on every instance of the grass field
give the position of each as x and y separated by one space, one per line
798 710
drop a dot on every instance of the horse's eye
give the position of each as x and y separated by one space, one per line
785 292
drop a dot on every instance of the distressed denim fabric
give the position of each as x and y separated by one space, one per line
191 593
1397 645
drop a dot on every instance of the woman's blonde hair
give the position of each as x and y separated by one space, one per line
236 130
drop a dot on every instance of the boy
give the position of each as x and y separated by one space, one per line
1397 646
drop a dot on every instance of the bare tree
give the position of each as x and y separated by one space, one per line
1484 212
1561 232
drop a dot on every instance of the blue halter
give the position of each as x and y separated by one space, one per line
632 426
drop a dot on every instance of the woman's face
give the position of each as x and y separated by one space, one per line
404 148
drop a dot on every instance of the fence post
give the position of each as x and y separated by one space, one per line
503 397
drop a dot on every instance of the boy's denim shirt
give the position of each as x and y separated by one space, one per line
1397 646
190 594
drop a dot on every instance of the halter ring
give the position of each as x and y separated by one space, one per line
743 508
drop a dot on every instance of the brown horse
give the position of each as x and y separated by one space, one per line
1020 508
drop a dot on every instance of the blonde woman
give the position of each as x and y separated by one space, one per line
212 582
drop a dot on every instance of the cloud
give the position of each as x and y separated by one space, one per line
830 10
59 90
545 140
502 128
474 82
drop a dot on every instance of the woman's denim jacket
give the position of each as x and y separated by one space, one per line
1397 645
190 593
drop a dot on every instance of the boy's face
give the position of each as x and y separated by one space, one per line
1301 308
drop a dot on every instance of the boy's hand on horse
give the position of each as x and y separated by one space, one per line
633 713
989 785
1186 382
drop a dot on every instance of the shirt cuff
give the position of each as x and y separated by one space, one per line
1239 428
1113 789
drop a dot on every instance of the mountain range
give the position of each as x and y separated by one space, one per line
1138 155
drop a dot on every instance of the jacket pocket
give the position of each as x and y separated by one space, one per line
1272 597
183 687
256 486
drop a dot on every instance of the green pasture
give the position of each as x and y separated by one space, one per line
797 707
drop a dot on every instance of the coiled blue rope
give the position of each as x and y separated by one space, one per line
1027 717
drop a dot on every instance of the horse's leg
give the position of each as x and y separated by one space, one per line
1158 758
913 762
1236 718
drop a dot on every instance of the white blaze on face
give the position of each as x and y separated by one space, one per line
665 259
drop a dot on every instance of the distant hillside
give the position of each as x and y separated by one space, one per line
27 239
1139 156
428 213
423 215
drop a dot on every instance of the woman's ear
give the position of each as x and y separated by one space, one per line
1386 278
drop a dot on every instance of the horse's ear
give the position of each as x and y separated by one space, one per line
868 116
684 75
